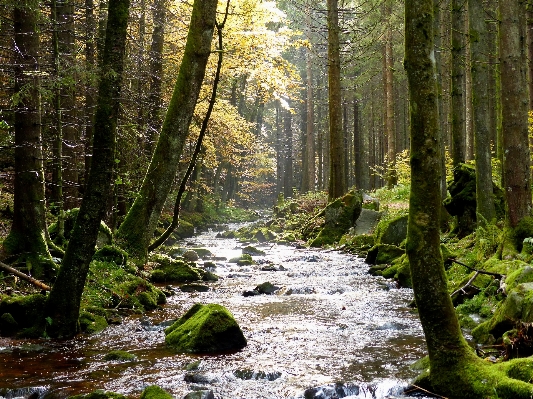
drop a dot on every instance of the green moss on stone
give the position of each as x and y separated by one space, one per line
155 392
118 355
99 394
170 270
109 253
205 329
27 311
91 323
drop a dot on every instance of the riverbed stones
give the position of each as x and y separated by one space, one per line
203 394
207 328
168 270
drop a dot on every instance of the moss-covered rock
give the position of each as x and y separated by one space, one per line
392 231
205 329
517 307
25 313
99 394
334 220
523 230
383 253
155 392
169 270
399 271
252 251
91 323
109 253
121 356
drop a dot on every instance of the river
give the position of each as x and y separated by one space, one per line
330 323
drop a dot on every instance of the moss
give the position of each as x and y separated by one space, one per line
205 329
27 311
91 323
99 394
118 355
109 253
155 392
8 325
391 231
523 230
174 270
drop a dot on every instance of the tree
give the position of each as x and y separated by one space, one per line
27 238
458 83
63 305
514 93
337 173
137 230
480 51
455 371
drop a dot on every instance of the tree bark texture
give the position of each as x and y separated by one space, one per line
337 173
28 230
310 171
139 225
514 91
443 336
63 304
480 50
388 77
458 83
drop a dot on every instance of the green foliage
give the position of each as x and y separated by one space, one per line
488 240
155 392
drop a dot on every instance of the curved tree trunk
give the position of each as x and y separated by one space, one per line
63 304
455 371
138 228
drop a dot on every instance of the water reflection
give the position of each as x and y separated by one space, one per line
330 323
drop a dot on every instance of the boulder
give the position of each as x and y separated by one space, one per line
334 220
252 251
155 392
205 329
173 270
392 232
203 394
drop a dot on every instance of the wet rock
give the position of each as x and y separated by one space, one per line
191 255
376 270
8 325
252 251
201 378
269 268
194 288
200 395
300 290
331 391
227 234
173 270
266 288
205 329
250 293
247 374
120 356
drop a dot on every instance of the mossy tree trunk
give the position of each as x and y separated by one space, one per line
63 304
480 51
337 173
455 371
514 92
27 237
138 228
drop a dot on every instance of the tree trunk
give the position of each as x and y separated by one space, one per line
156 73
63 305
513 64
287 161
443 335
480 50
458 83
309 172
137 230
28 230
390 128
337 173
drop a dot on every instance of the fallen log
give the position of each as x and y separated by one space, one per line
25 277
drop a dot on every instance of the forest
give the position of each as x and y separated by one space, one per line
386 141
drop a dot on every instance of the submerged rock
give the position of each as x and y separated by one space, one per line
205 329
200 395
247 374
331 391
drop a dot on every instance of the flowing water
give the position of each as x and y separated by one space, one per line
330 323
